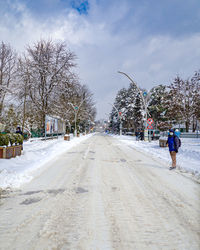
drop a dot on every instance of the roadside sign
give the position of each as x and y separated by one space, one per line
150 122
76 107
145 94
146 135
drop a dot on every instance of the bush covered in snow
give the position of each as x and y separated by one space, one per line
18 138
4 140
11 138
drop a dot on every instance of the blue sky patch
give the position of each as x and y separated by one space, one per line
81 6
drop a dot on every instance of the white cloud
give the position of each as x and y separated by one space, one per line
102 52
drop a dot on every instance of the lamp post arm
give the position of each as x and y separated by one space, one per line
81 103
115 109
71 105
120 119
144 103
142 97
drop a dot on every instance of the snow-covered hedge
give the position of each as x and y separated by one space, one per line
4 140
10 139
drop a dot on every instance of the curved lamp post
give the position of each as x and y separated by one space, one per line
120 118
144 103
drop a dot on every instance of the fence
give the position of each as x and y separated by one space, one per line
184 134
190 135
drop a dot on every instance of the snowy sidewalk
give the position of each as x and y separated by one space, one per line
188 157
17 171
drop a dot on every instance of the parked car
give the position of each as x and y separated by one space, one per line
129 133
154 134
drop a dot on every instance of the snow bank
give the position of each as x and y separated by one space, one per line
17 171
188 157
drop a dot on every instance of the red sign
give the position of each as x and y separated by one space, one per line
150 122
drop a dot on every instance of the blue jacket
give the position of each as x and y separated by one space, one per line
173 143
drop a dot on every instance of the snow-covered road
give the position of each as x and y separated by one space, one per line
102 195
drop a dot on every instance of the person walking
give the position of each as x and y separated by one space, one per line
137 135
18 131
141 135
173 142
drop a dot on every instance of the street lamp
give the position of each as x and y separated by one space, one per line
119 114
142 95
76 109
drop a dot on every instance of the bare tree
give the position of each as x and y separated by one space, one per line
7 71
88 109
48 63
82 98
196 95
182 101
21 93
45 84
66 92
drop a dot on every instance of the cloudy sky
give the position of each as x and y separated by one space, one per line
150 40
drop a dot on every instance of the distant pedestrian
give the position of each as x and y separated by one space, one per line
173 142
142 136
18 131
137 135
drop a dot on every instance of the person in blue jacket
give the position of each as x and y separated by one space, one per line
173 143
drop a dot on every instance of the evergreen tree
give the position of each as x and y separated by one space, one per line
137 113
131 98
157 106
11 119
129 103
120 106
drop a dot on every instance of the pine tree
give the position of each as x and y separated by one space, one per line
11 119
157 106
129 103
119 107
131 97
137 113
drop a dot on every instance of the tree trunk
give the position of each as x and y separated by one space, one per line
194 124
187 124
1 108
24 114
43 124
